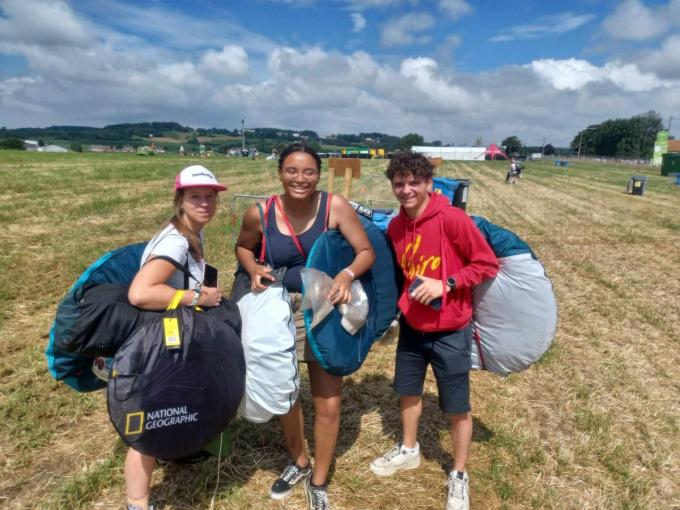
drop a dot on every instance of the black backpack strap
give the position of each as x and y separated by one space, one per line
183 268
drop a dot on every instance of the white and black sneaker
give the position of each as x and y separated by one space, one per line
290 476
316 495
458 497
396 459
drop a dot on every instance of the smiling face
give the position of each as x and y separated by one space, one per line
199 205
412 192
299 175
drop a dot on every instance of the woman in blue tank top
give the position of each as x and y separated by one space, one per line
294 220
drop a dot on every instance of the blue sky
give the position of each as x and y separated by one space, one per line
453 70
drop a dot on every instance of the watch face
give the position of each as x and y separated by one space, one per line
451 282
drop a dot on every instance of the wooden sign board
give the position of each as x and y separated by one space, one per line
436 162
350 168
341 164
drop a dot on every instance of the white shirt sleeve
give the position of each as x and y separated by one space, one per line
170 243
173 245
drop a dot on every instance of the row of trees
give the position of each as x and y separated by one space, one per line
12 143
114 132
513 145
620 138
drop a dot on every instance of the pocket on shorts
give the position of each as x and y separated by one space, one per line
454 351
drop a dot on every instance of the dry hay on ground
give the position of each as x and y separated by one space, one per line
593 425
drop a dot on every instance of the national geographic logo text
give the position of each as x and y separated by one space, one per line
135 423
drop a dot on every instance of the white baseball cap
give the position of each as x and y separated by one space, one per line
197 176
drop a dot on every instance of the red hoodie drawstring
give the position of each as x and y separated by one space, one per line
442 251
406 244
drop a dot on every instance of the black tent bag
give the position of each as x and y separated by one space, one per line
95 318
171 402
104 319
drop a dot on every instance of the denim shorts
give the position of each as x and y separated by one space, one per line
449 354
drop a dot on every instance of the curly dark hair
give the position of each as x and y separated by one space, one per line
404 163
299 147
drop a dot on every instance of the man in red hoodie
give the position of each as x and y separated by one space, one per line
442 255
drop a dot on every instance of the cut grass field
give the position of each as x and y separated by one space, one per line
595 424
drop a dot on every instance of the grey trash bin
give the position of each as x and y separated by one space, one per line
460 196
637 184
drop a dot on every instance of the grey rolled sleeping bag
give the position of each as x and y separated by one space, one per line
515 313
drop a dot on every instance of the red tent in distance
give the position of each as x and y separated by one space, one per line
493 151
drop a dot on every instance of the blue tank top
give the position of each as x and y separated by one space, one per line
282 250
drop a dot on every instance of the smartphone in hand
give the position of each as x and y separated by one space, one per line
435 303
210 276
278 275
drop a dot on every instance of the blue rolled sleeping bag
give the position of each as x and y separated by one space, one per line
336 350
382 217
503 242
115 267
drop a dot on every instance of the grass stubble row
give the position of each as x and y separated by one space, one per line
594 424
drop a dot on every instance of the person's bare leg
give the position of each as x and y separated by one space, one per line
461 434
138 470
294 432
411 408
326 391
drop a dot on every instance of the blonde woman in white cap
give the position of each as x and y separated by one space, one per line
181 239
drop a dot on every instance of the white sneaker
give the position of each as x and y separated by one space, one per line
458 497
395 460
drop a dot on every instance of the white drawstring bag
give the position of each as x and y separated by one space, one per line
268 338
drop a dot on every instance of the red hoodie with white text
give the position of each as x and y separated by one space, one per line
443 241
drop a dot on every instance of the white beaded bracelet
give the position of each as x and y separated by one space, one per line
349 272
194 301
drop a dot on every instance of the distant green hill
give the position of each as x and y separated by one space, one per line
172 134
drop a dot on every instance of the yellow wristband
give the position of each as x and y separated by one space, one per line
174 302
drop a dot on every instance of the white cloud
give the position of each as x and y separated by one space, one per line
231 61
446 50
182 74
570 74
633 20
41 23
358 22
10 86
455 9
574 74
664 62
174 29
117 76
368 4
406 30
544 26
440 93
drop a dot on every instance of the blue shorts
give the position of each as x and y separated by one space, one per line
449 354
